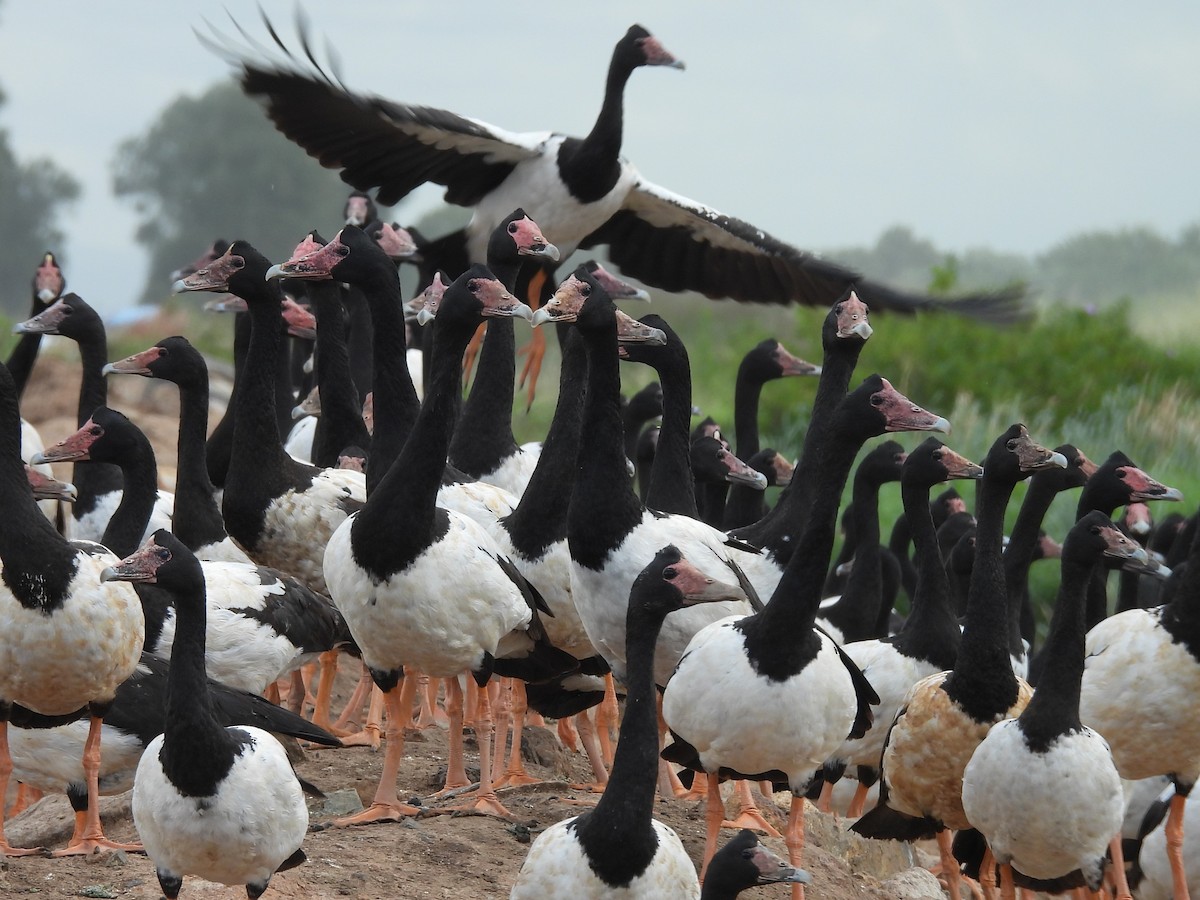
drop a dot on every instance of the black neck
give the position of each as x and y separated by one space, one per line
1181 617
1022 544
591 167
197 752
201 524
931 630
540 519
128 523
619 829
92 480
484 436
857 610
395 401
745 413
38 564
1054 708
777 531
603 508
24 353
360 340
672 489
401 518
219 445
341 423
983 683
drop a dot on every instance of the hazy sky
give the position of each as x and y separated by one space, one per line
1008 125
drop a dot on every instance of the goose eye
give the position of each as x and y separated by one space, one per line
237 262
876 400
670 572
512 227
163 553
96 430
937 454
343 252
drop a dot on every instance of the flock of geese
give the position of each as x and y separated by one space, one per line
479 580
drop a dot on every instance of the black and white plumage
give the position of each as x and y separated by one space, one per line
98 486
1042 788
618 849
766 695
221 803
422 586
928 641
48 758
582 192
67 641
280 511
1141 678
261 624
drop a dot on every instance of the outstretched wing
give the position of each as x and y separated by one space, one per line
677 244
376 143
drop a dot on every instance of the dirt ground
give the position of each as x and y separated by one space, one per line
439 857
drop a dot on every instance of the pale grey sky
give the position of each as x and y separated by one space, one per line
1009 125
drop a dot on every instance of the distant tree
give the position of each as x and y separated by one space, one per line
213 166
1104 266
32 192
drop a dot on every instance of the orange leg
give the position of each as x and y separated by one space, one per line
354 705
568 735
591 746
515 773
949 864
472 351
825 801
272 693
795 839
535 350
500 694
987 875
7 849
93 837
608 715
26 797
471 706
1174 834
485 802
749 815
1008 890
714 813
859 801
369 736
456 772
296 696
386 807
429 714
1121 884
329 667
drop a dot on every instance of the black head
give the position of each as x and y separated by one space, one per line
769 360
48 280
473 295
69 316
744 863
1014 456
647 403
1118 482
883 463
946 504
777 470
653 353
875 408
847 322
640 48
708 427
108 436
162 560
670 582
172 359
932 462
359 209
1094 537
713 462
518 237
581 300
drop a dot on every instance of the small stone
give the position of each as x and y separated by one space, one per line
109 858
914 884
98 891
341 803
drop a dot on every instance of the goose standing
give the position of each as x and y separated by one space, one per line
221 803
66 640
421 586
928 641
1140 680
618 848
98 486
766 695
1042 788
946 715
280 511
